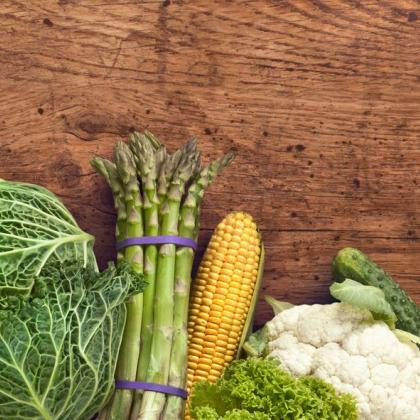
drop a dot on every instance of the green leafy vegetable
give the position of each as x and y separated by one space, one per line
364 297
35 228
207 413
61 321
258 389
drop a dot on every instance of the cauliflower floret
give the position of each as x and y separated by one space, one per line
344 346
318 324
382 406
296 359
372 339
285 320
403 410
284 341
349 368
385 375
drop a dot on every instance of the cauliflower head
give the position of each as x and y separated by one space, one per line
346 347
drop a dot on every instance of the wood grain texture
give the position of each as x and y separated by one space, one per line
320 100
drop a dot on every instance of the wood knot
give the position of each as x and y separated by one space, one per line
66 171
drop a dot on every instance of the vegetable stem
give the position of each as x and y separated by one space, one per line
130 346
148 162
189 227
159 365
109 171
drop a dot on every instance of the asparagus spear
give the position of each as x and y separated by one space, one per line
154 142
109 171
153 402
148 162
189 227
130 346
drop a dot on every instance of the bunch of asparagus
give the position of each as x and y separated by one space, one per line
156 193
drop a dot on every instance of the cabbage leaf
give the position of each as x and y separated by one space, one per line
61 321
35 229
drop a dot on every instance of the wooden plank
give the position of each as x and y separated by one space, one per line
319 100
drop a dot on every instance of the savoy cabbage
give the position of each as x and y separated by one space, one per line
61 321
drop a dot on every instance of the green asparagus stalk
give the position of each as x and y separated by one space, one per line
148 162
153 141
189 227
158 372
109 171
130 346
167 171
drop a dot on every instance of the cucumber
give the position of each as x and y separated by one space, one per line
353 264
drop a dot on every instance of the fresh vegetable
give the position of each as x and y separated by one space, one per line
61 321
352 264
156 193
256 343
365 297
259 389
184 260
148 164
221 296
345 346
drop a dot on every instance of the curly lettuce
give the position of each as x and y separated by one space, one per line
61 321
258 389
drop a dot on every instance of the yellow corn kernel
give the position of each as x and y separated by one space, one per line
207 350
193 359
212 326
218 361
222 336
197 340
193 365
228 358
204 367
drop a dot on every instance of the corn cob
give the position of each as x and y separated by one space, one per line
222 297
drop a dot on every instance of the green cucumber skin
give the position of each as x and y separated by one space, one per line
350 263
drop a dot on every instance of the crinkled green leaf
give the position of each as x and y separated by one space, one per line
207 413
261 390
35 227
58 350
61 321
364 297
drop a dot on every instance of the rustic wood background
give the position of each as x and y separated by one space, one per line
320 100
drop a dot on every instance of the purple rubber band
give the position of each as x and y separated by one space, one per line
157 240
148 386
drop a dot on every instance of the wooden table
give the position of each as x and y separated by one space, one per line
320 100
